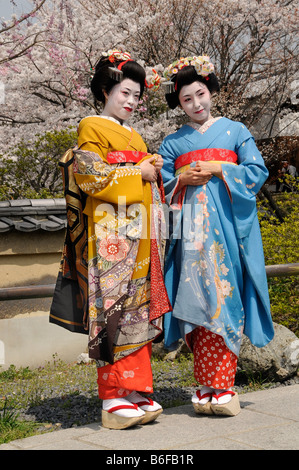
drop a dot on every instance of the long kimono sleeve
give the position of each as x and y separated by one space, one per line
170 180
243 181
172 331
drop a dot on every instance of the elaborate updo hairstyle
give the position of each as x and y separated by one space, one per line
186 75
109 72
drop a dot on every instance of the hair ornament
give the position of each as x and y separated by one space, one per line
169 86
202 65
116 55
152 79
115 73
91 74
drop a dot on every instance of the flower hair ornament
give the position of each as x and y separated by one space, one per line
152 79
202 65
113 56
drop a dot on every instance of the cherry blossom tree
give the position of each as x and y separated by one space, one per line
256 51
15 42
46 59
48 86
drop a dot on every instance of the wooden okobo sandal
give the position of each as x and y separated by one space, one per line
201 408
149 415
151 408
231 408
112 420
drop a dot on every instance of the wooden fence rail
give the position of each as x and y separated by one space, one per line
35 292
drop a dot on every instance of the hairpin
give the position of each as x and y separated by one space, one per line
115 74
169 86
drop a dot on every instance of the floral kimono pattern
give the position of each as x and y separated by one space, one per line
215 274
126 244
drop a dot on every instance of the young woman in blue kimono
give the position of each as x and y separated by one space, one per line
215 273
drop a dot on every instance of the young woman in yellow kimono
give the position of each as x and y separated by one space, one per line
120 185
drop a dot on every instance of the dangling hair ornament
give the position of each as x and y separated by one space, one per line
152 79
202 65
115 55
91 70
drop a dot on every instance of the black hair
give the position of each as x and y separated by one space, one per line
102 80
186 76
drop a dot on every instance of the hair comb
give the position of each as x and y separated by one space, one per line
169 86
115 74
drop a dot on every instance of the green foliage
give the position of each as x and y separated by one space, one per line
31 171
21 389
280 241
181 376
11 427
12 373
8 417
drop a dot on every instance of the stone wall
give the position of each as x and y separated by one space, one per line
31 240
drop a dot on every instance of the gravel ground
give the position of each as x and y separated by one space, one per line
69 397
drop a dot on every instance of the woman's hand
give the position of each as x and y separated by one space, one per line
200 174
148 170
213 167
151 167
194 177
158 162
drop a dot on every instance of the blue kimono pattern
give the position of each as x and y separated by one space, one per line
215 273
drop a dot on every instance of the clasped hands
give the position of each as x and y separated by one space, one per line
200 174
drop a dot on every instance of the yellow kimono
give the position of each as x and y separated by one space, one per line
126 226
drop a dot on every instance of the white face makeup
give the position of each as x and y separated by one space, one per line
195 100
122 100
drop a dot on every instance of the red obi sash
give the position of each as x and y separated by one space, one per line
126 156
208 154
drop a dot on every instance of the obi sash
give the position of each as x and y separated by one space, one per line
125 156
208 154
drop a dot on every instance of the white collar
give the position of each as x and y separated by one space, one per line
202 128
110 118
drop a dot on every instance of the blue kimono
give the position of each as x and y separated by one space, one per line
215 271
